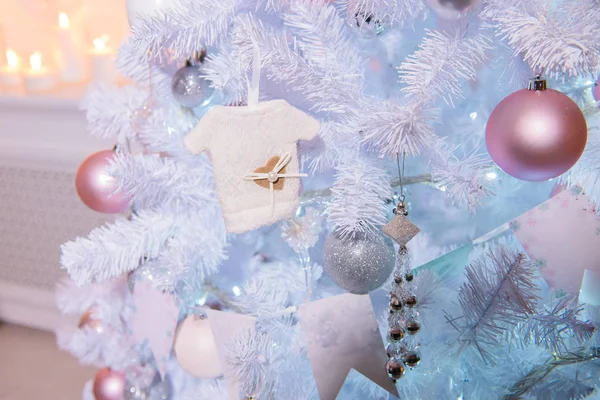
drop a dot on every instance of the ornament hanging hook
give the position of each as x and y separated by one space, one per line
401 207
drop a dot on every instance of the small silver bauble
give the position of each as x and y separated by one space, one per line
395 334
410 300
359 264
395 368
411 358
395 303
368 24
189 86
413 326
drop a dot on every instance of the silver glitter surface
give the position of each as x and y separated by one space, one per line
158 390
401 229
190 88
360 264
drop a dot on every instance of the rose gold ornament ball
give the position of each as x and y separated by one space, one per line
109 385
95 186
536 135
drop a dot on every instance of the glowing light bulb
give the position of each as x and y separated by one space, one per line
99 44
491 175
36 61
443 188
63 20
473 116
12 59
236 291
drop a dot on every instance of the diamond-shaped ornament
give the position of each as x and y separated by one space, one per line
400 229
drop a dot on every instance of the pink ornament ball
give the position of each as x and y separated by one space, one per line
95 186
109 385
536 135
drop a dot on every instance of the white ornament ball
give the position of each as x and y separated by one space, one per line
196 350
452 9
144 8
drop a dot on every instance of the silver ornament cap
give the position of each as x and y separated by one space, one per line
359 264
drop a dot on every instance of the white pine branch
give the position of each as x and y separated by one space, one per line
76 300
196 252
151 181
163 129
273 6
337 142
391 129
358 198
184 27
282 62
116 248
498 294
466 180
443 62
325 40
250 357
109 109
552 40
227 74
129 62
91 347
262 297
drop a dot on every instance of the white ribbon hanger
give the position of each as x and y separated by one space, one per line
254 86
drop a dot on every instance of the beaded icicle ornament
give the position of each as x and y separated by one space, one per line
403 318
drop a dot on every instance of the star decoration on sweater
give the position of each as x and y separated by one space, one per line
400 229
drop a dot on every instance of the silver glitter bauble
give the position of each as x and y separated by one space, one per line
360 264
158 390
189 86
452 9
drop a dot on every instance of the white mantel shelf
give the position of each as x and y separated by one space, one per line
64 99
45 129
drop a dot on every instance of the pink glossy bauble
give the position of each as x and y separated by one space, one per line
109 385
95 186
536 135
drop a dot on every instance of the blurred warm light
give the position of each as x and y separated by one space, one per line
36 61
100 43
12 59
63 20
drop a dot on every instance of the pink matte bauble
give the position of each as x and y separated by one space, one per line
536 135
95 186
109 385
